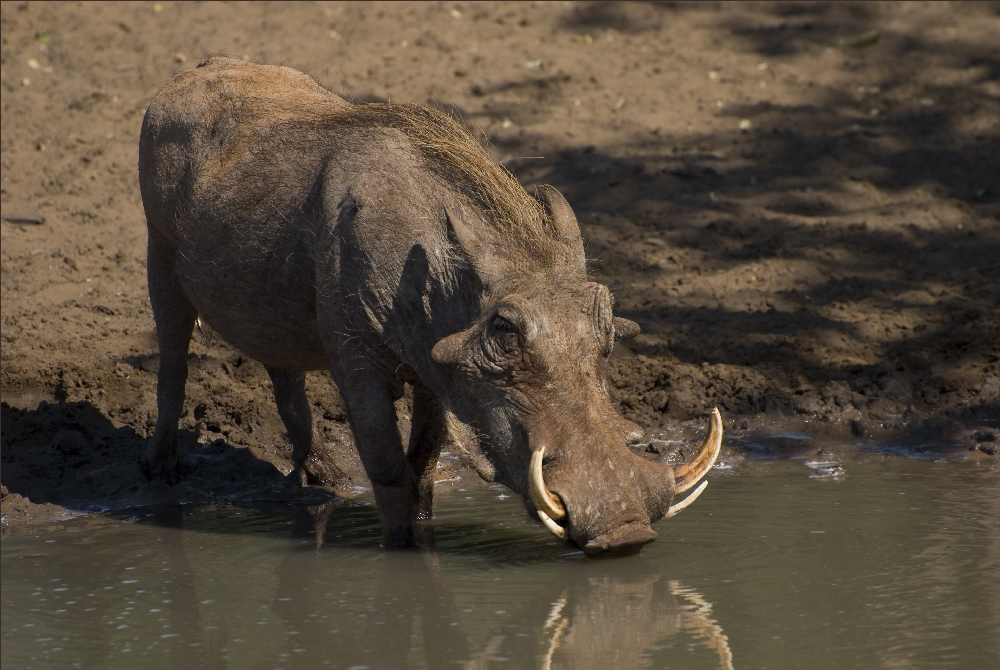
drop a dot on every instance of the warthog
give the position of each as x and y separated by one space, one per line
380 242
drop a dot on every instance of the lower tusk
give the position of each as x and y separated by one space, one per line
679 507
556 529
540 495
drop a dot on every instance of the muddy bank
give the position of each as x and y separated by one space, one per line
807 233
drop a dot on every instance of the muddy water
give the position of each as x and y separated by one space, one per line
895 565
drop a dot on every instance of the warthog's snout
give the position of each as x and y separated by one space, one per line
614 517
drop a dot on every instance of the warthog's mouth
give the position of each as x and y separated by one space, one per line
552 512
625 540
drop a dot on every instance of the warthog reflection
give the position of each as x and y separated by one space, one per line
609 622
580 619
617 622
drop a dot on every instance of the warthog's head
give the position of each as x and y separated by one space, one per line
533 375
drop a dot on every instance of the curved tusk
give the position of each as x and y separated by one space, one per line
688 474
679 507
556 529
540 495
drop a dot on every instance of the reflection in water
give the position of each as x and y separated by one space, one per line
703 626
890 568
188 648
593 622
615 623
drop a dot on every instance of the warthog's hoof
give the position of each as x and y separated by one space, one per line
166 471
285 488
319 471
398 537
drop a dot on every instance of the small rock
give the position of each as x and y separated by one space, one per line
826 470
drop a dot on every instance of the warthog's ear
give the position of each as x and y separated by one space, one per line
564 225
460 234
479 255
625 329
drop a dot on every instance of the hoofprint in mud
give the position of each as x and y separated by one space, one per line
381 243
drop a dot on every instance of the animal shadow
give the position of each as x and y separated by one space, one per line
71 454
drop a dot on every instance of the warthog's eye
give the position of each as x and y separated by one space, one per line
502 338
502 326
505 331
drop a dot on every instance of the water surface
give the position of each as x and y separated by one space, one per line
894 565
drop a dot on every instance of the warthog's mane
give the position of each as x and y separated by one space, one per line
454 155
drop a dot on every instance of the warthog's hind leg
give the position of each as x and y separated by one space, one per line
175 317
293 406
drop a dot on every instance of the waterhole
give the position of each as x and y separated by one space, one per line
887 564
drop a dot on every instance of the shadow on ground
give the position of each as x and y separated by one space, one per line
71 454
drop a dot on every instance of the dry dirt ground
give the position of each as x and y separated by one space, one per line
802 217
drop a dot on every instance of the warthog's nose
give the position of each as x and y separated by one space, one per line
623 541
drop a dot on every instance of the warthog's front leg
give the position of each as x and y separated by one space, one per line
175 317
428 434
372 414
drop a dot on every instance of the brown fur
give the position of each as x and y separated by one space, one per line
457 159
